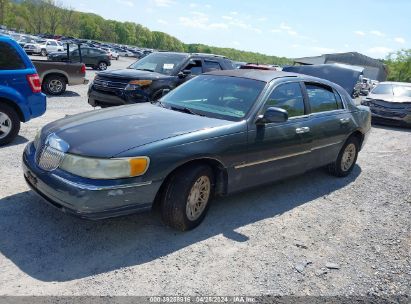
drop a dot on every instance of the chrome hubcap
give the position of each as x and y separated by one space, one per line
5 125
198 198
348 157
55 86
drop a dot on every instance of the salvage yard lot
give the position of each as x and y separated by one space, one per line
276 239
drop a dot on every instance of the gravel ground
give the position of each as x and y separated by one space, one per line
309 235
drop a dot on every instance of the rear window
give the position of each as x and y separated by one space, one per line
10 59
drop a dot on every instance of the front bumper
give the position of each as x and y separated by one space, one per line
115 97
391 118
86 198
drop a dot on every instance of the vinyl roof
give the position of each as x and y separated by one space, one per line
261 75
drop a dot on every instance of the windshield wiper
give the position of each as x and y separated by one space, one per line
148 70
160 103
185 110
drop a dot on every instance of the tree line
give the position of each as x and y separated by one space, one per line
51 17
399 66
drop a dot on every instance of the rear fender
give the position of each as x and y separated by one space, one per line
18 100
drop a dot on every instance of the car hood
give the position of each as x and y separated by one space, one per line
106 133
132 73
389 98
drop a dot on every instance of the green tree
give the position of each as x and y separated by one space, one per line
4 5
399 66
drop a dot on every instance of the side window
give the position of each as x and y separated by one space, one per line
211 66
52 43
321 98
287 96
10 59
195 67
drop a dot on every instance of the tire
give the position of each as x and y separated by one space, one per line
43 53
54 85
102 66
9 124
346 159
188 183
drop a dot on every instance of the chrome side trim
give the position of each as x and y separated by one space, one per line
271 159
327 145
83 186
284 156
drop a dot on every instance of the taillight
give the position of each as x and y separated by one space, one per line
83 69
34 82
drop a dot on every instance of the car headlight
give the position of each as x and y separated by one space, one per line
136 84
104 168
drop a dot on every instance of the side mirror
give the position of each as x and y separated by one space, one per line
272 115
184 73
164 92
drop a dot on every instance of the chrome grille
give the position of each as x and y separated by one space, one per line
103 84
48 158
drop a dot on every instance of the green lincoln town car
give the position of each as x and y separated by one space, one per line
218 133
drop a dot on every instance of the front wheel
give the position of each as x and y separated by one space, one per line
43 53
102 66
9 124
346 158
186 197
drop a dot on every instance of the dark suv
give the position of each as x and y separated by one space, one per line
146 79
91 57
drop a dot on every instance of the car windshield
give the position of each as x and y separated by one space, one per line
163 63
383 89
402 91
221 97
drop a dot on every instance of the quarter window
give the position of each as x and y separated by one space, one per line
321 98
9 58
287 96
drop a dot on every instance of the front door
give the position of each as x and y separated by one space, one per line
278 150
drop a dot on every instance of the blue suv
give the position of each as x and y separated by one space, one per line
20 90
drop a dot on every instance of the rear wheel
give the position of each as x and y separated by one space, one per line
9 124
346 158
54 85
185 198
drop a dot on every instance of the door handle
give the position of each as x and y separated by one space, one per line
344 120
302 130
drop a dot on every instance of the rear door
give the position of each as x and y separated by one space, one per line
12 70
330 123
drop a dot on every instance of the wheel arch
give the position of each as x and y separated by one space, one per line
54 73
359 135
219 170
14 106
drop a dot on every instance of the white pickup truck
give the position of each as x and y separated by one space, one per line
43 47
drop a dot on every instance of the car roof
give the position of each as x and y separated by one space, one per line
261 75
396 83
